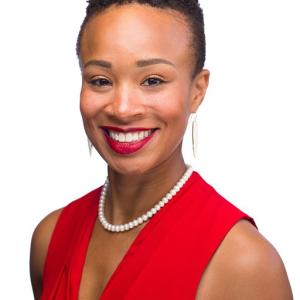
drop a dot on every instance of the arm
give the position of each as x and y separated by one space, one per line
245 266
38 251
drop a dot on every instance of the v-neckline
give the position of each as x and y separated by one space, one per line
123 260
83 255
137 240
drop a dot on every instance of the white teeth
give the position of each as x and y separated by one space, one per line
129 136
135 136
121 137
112 135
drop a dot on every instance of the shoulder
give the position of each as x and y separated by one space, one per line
39 247
245 266
43 232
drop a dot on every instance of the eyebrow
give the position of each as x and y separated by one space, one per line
153 61
139 63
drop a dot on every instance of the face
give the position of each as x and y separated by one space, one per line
137 91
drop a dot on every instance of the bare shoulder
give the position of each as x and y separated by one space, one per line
245 266
39 248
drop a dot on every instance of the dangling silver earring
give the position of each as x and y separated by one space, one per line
90 145
195 136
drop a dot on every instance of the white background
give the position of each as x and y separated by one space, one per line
248 124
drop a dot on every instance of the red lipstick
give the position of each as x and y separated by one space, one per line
126 147
125 129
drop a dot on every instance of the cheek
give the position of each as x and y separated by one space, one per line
174 107
89 104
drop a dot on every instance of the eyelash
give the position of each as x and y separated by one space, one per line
155 78
94 81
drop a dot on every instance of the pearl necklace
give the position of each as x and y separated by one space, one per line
147 215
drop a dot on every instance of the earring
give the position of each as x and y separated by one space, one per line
195 136
90 145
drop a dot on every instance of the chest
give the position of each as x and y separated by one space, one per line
104 254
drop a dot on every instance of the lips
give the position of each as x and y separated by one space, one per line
119 129
129 140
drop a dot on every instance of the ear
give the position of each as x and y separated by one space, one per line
199 87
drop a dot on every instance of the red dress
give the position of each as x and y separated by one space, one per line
166 259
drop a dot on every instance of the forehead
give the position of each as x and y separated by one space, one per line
137 31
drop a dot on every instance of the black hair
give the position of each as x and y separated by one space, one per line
189 8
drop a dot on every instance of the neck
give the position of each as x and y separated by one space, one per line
131 196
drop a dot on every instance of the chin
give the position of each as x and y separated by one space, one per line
132 168
127 170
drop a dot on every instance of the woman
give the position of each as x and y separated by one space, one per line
155 229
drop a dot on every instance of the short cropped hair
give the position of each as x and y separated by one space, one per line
190 9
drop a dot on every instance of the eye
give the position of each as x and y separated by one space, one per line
153 81
100 82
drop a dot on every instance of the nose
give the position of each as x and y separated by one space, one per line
125 105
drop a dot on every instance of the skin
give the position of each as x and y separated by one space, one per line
126 88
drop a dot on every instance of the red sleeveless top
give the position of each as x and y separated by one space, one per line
166 259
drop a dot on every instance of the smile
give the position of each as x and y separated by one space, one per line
130 136
127 141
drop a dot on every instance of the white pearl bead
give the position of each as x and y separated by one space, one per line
147 215
157 207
